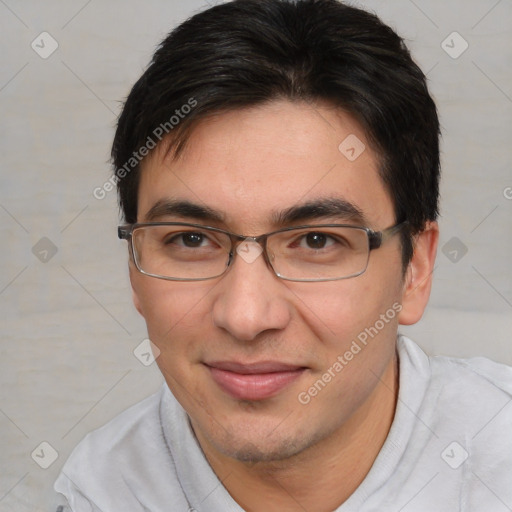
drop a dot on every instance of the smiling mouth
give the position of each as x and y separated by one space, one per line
256 381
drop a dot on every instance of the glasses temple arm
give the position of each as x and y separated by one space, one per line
124 232
377 238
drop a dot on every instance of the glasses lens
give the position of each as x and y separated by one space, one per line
180 252
319 253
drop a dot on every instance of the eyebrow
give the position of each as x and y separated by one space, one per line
338 208
185 209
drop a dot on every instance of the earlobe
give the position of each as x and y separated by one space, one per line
418 278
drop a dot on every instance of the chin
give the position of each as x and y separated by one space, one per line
248 452
250 446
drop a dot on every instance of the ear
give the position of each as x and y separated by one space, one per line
418 278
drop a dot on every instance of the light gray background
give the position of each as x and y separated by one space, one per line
68 328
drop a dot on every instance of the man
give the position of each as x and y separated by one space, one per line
277 167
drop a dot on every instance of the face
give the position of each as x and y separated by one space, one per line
242 352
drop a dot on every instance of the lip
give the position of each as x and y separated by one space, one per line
255 381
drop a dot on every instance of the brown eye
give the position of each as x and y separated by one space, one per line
188 239
192 239
316 240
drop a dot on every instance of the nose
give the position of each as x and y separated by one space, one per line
250 298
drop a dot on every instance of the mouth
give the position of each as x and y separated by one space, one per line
256 381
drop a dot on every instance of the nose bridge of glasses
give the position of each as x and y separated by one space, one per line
237 240
249 248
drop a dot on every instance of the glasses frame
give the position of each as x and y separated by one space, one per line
375 240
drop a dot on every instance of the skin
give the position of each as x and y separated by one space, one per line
277 454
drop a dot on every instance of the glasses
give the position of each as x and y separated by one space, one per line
192 252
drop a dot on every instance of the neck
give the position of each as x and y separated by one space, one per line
325 475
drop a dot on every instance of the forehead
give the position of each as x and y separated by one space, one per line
252 163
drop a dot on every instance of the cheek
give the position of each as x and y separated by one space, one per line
171 310
341 310
178 324
356 324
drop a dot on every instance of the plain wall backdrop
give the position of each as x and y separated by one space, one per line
68 327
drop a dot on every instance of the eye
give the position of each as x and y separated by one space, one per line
189 239
316 240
